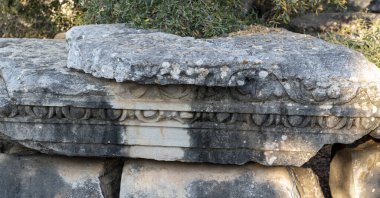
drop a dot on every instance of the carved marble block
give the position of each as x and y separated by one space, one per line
275 99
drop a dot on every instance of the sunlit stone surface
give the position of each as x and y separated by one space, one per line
147 57
355 172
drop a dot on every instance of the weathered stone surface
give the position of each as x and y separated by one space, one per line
170 179
376 133
43 176
325 22
355 172
374 6
359 5
61 35
364 5
10 147
280 117
124 54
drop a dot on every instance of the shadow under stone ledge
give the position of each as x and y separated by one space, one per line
320 164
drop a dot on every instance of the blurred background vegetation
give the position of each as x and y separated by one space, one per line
38 18
197 18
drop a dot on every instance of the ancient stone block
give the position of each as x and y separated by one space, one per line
355 172
374 6
317 94
125 54
359 5
364 5
170 179
325 22
10 147
376 133
43 176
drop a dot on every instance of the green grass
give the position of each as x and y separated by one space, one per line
198 18
195 18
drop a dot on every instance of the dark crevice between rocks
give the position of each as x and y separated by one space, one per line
337 147
320 164
8 146
110 178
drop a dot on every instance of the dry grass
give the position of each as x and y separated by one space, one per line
255 29
361 35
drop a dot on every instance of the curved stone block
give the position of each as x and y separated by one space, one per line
355 172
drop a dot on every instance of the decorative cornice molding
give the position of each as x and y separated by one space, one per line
120 116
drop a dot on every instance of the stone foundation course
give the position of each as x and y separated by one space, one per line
171 179
46 176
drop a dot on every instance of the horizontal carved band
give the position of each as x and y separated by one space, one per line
184 117
259 90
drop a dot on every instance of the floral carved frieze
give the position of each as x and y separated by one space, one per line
263 90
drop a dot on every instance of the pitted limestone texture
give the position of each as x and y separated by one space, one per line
151 57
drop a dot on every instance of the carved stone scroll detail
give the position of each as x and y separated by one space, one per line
266 89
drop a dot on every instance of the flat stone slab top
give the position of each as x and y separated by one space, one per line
276 118
148 57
